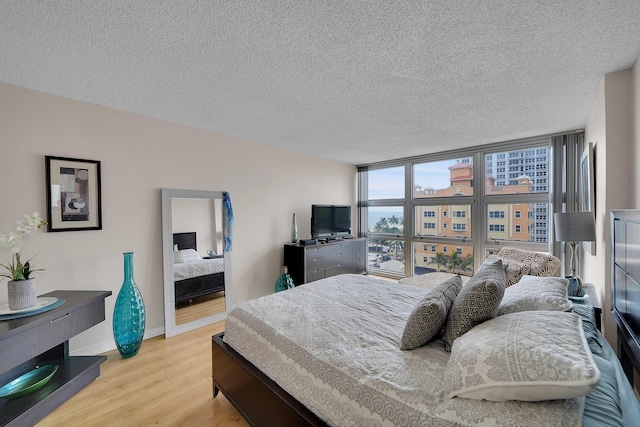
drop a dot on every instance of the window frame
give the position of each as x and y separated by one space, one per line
555 169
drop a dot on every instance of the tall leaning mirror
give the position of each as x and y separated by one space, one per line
196 271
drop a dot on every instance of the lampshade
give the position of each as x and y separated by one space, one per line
575 226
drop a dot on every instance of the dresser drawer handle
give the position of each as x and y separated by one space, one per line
59 318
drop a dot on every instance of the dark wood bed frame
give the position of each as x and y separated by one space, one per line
263 402
257 397
195 286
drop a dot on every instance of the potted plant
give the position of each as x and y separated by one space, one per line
21 286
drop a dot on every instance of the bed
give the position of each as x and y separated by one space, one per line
328 369
195 276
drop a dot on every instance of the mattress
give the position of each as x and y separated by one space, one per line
334 344
203 267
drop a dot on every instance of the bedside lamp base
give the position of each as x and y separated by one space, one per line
575 286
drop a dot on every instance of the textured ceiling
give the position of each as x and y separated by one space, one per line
355 81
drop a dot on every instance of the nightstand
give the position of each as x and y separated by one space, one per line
593 301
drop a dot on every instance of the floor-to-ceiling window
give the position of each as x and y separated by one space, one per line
386 220
448 211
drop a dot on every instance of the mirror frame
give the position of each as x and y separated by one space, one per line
170 327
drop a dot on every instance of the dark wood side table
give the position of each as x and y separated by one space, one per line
593 301
43 339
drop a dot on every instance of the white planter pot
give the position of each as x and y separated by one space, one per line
22 294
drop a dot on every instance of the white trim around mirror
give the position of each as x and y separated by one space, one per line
170 327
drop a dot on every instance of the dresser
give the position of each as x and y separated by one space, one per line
307 263
43 339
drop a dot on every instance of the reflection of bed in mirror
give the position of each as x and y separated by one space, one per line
195 276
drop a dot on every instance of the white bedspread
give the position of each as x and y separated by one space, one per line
186 270
334 345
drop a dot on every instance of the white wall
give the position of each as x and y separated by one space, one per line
611 126
140 156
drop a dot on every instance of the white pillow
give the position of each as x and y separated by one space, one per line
186 255
536 293
529 355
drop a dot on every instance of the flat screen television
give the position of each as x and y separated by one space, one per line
330 221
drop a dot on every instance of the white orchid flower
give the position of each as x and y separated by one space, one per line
18 270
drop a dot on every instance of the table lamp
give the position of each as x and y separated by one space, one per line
573 228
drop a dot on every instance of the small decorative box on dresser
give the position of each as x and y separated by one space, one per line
43 339
307 263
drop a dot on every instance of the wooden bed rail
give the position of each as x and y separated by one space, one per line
260 400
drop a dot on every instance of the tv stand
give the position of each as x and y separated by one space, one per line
314 262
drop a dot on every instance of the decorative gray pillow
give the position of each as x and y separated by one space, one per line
529 356
478 301
536 293
428 317
514 269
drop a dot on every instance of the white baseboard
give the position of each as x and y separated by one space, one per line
106 346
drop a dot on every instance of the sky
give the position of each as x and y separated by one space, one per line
389 183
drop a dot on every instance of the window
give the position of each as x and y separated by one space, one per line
384 224
525 229
445 178
460 261
438 225
386 219
477 196
386 256
386 183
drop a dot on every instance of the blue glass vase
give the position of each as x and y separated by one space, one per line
129 316
284 281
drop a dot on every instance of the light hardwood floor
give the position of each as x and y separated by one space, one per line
168 383
202 307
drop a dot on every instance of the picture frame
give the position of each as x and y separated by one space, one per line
74 199
587 188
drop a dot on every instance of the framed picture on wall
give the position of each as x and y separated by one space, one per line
73 194
587 188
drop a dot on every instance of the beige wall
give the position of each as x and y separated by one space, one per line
611 126
140 156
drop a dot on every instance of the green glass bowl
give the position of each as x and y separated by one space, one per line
29 382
